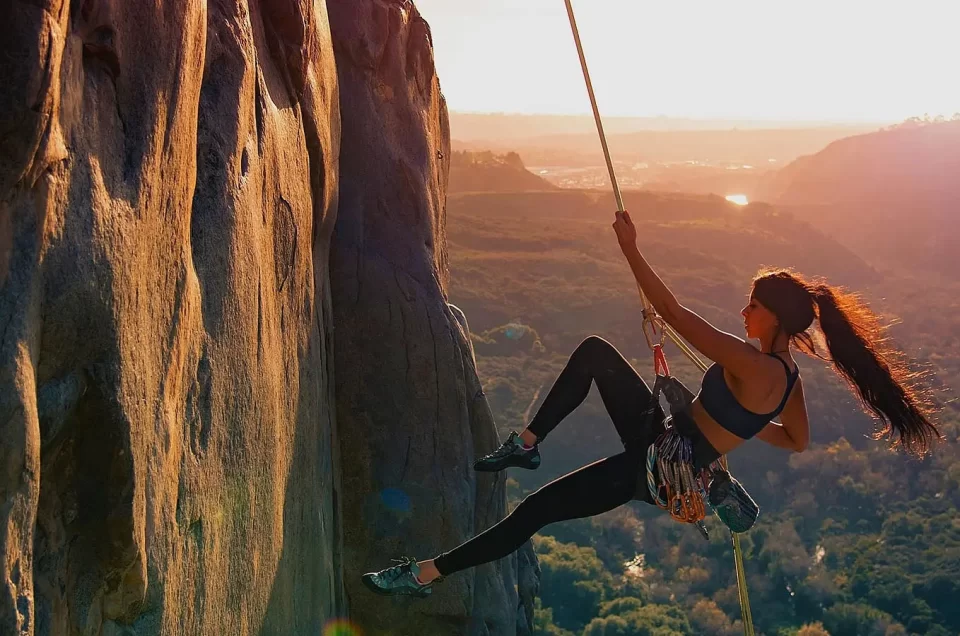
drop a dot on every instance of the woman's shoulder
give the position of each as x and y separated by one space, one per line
788 362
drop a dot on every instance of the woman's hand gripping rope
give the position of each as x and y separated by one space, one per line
626 230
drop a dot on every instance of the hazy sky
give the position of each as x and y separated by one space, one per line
772 59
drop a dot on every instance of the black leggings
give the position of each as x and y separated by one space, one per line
596 488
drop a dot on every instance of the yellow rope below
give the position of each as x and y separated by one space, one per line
745 613
649 316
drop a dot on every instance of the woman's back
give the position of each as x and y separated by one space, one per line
730 410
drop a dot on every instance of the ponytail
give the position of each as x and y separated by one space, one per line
858 350
882 383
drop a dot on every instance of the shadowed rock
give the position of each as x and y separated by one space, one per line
412 417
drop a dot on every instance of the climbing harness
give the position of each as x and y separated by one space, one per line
673 481
653 322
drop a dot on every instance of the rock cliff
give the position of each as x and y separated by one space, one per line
182 451
411 415
168 178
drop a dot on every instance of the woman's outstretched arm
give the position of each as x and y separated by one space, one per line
739 357
653 287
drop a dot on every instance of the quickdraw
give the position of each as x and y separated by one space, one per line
682 490
686 493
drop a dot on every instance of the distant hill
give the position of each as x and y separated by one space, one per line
485 171
891 195
722 145
550 261
552 256
516 126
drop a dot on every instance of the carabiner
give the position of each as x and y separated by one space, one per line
651 321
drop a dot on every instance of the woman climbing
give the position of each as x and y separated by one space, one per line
740 395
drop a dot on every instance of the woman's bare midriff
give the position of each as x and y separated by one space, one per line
720 438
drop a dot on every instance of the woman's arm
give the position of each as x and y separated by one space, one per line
739 357
794 433
655 289
776 435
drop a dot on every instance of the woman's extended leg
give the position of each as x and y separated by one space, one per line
624 393
585 492
588 491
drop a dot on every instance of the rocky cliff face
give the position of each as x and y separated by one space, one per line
410 411
170 460
168 175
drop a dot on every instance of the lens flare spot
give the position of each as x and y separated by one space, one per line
515 331
341 627
395 499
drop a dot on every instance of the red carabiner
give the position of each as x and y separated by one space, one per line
660 366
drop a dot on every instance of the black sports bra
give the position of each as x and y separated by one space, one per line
720 403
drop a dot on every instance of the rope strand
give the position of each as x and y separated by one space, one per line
650 315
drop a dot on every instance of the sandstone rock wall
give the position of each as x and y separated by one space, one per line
170 460
168 178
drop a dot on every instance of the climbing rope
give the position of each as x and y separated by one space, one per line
694 493
652 322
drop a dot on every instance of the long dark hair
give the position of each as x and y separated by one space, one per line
859 350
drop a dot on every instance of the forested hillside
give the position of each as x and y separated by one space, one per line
852 538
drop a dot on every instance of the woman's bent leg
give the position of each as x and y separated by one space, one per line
586 492
625 395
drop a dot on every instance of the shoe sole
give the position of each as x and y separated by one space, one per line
487 468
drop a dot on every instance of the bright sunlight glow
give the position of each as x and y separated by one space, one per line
791 61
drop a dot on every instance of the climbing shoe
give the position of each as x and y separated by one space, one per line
399 579
509 454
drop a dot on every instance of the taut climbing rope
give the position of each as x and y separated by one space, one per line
652 321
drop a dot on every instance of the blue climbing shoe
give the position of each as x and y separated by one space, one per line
399 579
509 454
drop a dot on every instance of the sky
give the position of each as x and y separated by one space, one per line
811 60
